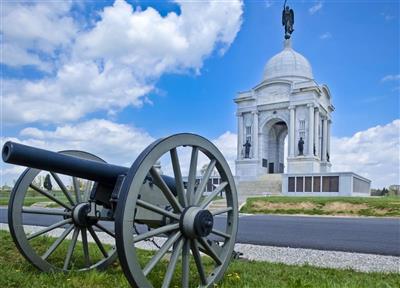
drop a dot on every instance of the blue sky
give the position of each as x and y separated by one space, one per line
353 47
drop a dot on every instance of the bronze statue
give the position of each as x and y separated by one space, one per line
287 20
247 146
300 146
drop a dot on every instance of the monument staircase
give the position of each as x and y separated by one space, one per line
268 184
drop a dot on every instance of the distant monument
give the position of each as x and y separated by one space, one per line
288 105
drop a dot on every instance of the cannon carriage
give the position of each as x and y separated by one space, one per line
130 206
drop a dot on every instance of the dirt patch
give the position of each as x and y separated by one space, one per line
381 211
344 207
261 205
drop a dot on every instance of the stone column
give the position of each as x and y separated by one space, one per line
310 129
328 140
292 130
324 138
316 131
255 134
240 135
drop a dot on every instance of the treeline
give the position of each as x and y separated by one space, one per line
393 190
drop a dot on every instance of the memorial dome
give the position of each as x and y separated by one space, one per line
288 63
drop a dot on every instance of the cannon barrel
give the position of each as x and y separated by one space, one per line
32 157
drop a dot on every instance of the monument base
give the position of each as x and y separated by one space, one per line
303 164
325 184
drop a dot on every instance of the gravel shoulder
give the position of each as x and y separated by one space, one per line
293 256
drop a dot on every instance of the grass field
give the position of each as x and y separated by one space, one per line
15 271
354 206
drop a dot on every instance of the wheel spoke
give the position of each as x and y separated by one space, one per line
45 211
63 188
221 211
172 264
164 249
51 227
48 195
192 175
104 229
220 233
165 189
213 194
85 246
157 209
155 232
185 264
98 242
57 243
71 248
204 181
76 189
210 251
197 260
178 178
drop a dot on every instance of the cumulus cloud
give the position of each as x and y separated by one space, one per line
29 36
315 8
373 153
116 62
227 144
118 144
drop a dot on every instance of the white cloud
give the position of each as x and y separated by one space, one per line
315 8
32 33
391 78
227 144
118 144
373 153
326 35
115 63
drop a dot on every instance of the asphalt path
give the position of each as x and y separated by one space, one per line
361 235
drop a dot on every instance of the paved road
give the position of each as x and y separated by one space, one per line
362 235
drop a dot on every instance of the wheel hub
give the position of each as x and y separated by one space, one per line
80 215
196 222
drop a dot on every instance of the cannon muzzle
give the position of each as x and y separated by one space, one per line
28 156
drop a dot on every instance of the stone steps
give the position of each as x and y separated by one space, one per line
269 184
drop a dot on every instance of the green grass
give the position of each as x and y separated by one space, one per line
357 206
15 271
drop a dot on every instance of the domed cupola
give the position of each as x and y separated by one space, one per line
287 64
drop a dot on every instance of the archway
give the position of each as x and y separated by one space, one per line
274 133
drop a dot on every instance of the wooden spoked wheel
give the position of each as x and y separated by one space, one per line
65 213
194 249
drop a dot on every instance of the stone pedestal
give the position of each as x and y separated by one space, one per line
303 164
326 166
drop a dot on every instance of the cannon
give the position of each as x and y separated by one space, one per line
109 212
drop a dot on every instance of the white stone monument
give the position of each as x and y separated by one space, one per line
288 103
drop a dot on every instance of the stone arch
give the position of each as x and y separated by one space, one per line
273 134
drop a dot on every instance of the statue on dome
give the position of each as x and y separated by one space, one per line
287 20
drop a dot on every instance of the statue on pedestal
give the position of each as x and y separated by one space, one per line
247 146
300 146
